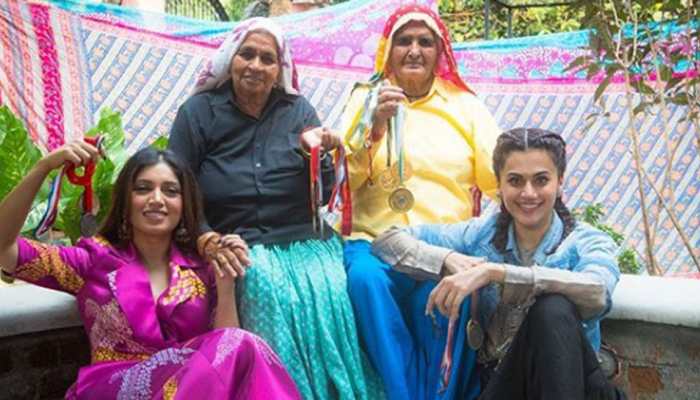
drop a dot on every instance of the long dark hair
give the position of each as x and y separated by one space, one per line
117 226
523 139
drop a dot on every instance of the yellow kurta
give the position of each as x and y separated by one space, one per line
449 137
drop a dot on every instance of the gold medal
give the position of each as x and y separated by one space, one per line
401 200
387 181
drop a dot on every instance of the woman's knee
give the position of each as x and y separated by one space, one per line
366 276
552 310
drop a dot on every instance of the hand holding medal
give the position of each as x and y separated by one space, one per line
317 141
85 154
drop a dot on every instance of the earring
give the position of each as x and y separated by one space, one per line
124 230
181 233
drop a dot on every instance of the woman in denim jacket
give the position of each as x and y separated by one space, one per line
539 281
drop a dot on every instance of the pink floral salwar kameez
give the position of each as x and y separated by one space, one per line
147 349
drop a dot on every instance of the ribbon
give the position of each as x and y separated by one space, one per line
398 122
341 198
446 363
316 188
49 216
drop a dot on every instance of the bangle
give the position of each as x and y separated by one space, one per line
7 277
204 239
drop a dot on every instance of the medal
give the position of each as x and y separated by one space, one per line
88 225
401 200
316 190
341 199
475 335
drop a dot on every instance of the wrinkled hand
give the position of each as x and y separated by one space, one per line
457 262
320 136
78 153
228 255
387 104
449 293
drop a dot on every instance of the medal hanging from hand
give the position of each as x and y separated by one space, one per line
341 198
475 332
88 219
316 189
401 199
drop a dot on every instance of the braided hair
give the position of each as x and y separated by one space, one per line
523 139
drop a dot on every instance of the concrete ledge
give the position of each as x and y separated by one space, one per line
670 301
28 308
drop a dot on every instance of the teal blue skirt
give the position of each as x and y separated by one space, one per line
295 297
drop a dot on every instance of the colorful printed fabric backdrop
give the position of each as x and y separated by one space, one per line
63 61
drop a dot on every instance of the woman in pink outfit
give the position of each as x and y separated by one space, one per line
148 302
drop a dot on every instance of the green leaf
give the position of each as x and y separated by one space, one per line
680 99
577 62
641 107
643 88
671 83
666 73
627 261
601 88
593 69
18 153
37 211
161 143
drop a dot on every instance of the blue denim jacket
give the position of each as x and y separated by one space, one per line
586 250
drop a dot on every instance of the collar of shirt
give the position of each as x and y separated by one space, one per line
223 95
438 88
177 257
550 239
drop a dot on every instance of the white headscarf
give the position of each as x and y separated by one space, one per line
218 69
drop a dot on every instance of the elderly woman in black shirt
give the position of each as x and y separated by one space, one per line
246 133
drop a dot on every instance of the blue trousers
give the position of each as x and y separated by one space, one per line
404 344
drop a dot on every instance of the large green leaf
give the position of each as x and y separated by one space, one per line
110 125
17 151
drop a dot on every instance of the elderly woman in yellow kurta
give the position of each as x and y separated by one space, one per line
419 140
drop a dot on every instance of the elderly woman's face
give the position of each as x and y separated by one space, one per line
255 67
414 53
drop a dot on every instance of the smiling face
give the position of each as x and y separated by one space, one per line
413 56
156 202
529 184
255 67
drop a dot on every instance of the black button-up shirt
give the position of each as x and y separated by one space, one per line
253 176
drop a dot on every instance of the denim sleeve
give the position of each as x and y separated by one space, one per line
460 237
409 255
598 259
